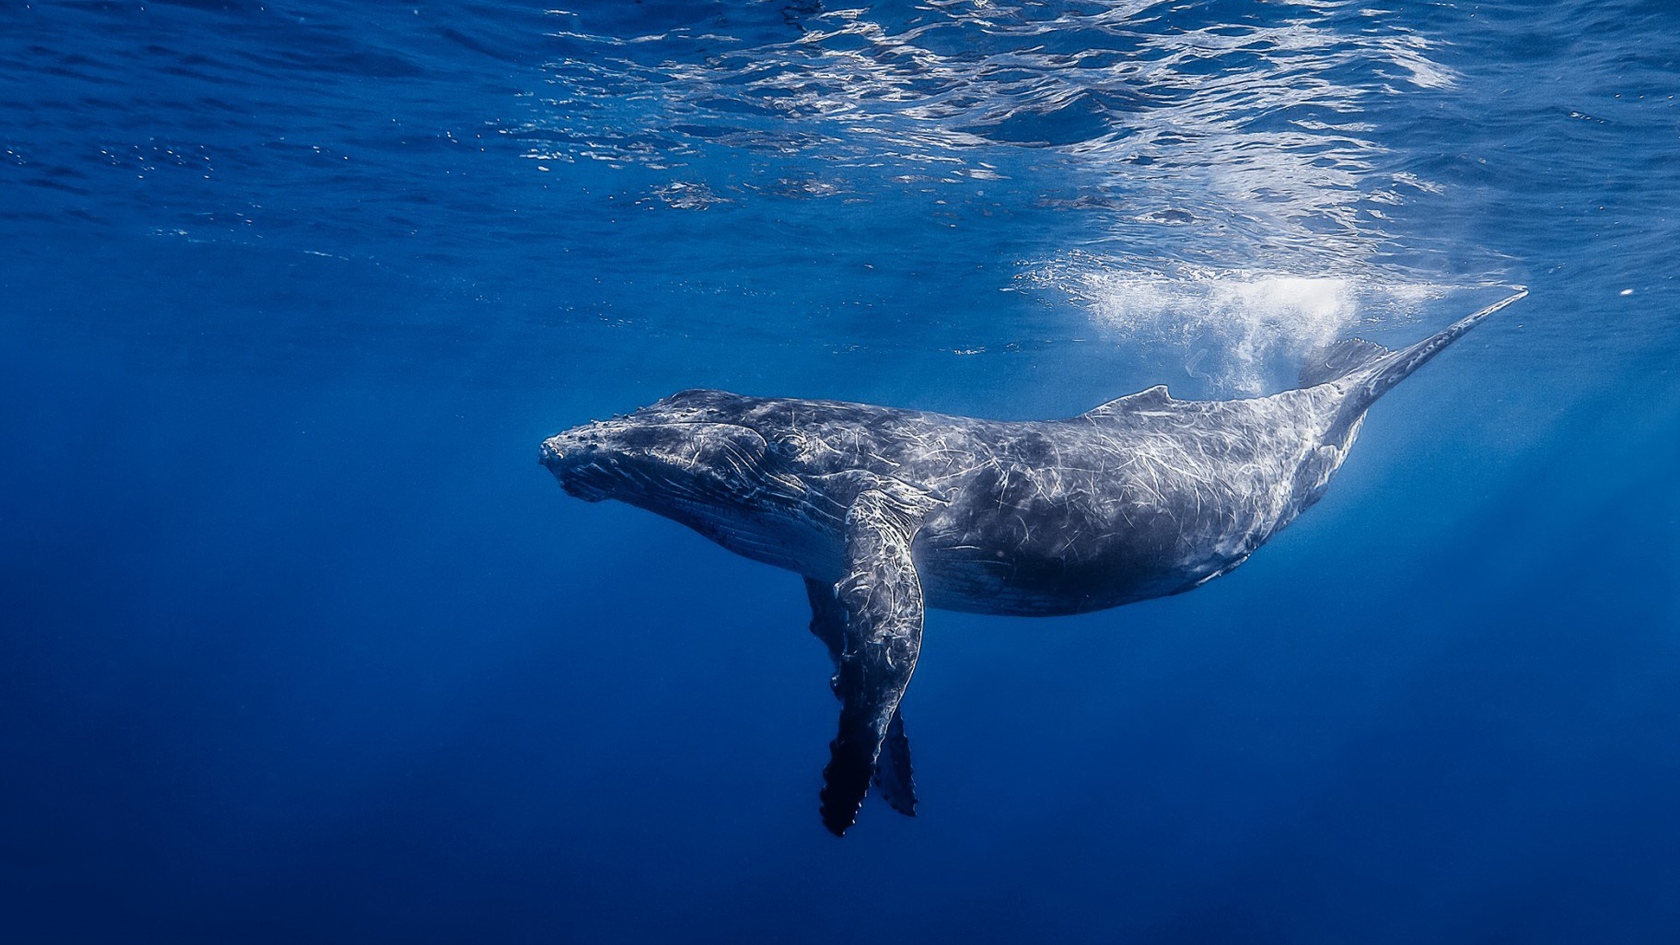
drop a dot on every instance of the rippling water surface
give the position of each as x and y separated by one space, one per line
302 645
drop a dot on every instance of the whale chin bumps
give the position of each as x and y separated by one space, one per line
885 512
576 467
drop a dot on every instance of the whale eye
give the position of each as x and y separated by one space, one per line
791 443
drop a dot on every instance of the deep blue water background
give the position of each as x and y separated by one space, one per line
301 644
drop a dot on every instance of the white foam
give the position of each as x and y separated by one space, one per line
1239 331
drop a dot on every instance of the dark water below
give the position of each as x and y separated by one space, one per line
301 644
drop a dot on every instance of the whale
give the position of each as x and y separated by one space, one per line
886 512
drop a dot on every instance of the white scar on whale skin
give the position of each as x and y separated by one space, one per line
886 512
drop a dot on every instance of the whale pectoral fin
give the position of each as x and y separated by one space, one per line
828 621
892 769
892 765
881 602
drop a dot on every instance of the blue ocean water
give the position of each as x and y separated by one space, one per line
301 644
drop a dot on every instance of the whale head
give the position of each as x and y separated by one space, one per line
677 454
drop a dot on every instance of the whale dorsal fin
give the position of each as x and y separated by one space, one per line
1338 359
880 602
1150 399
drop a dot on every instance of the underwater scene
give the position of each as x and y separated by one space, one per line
986 337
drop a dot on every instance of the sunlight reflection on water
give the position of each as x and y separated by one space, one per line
1233 162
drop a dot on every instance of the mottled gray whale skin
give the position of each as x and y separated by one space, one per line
887 511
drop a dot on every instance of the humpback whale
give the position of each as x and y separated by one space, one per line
886 512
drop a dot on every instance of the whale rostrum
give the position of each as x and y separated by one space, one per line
886 512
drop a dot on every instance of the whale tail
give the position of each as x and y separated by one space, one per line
1370 371
1339 360
1378 378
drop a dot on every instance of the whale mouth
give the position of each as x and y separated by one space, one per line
587 481
581 490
